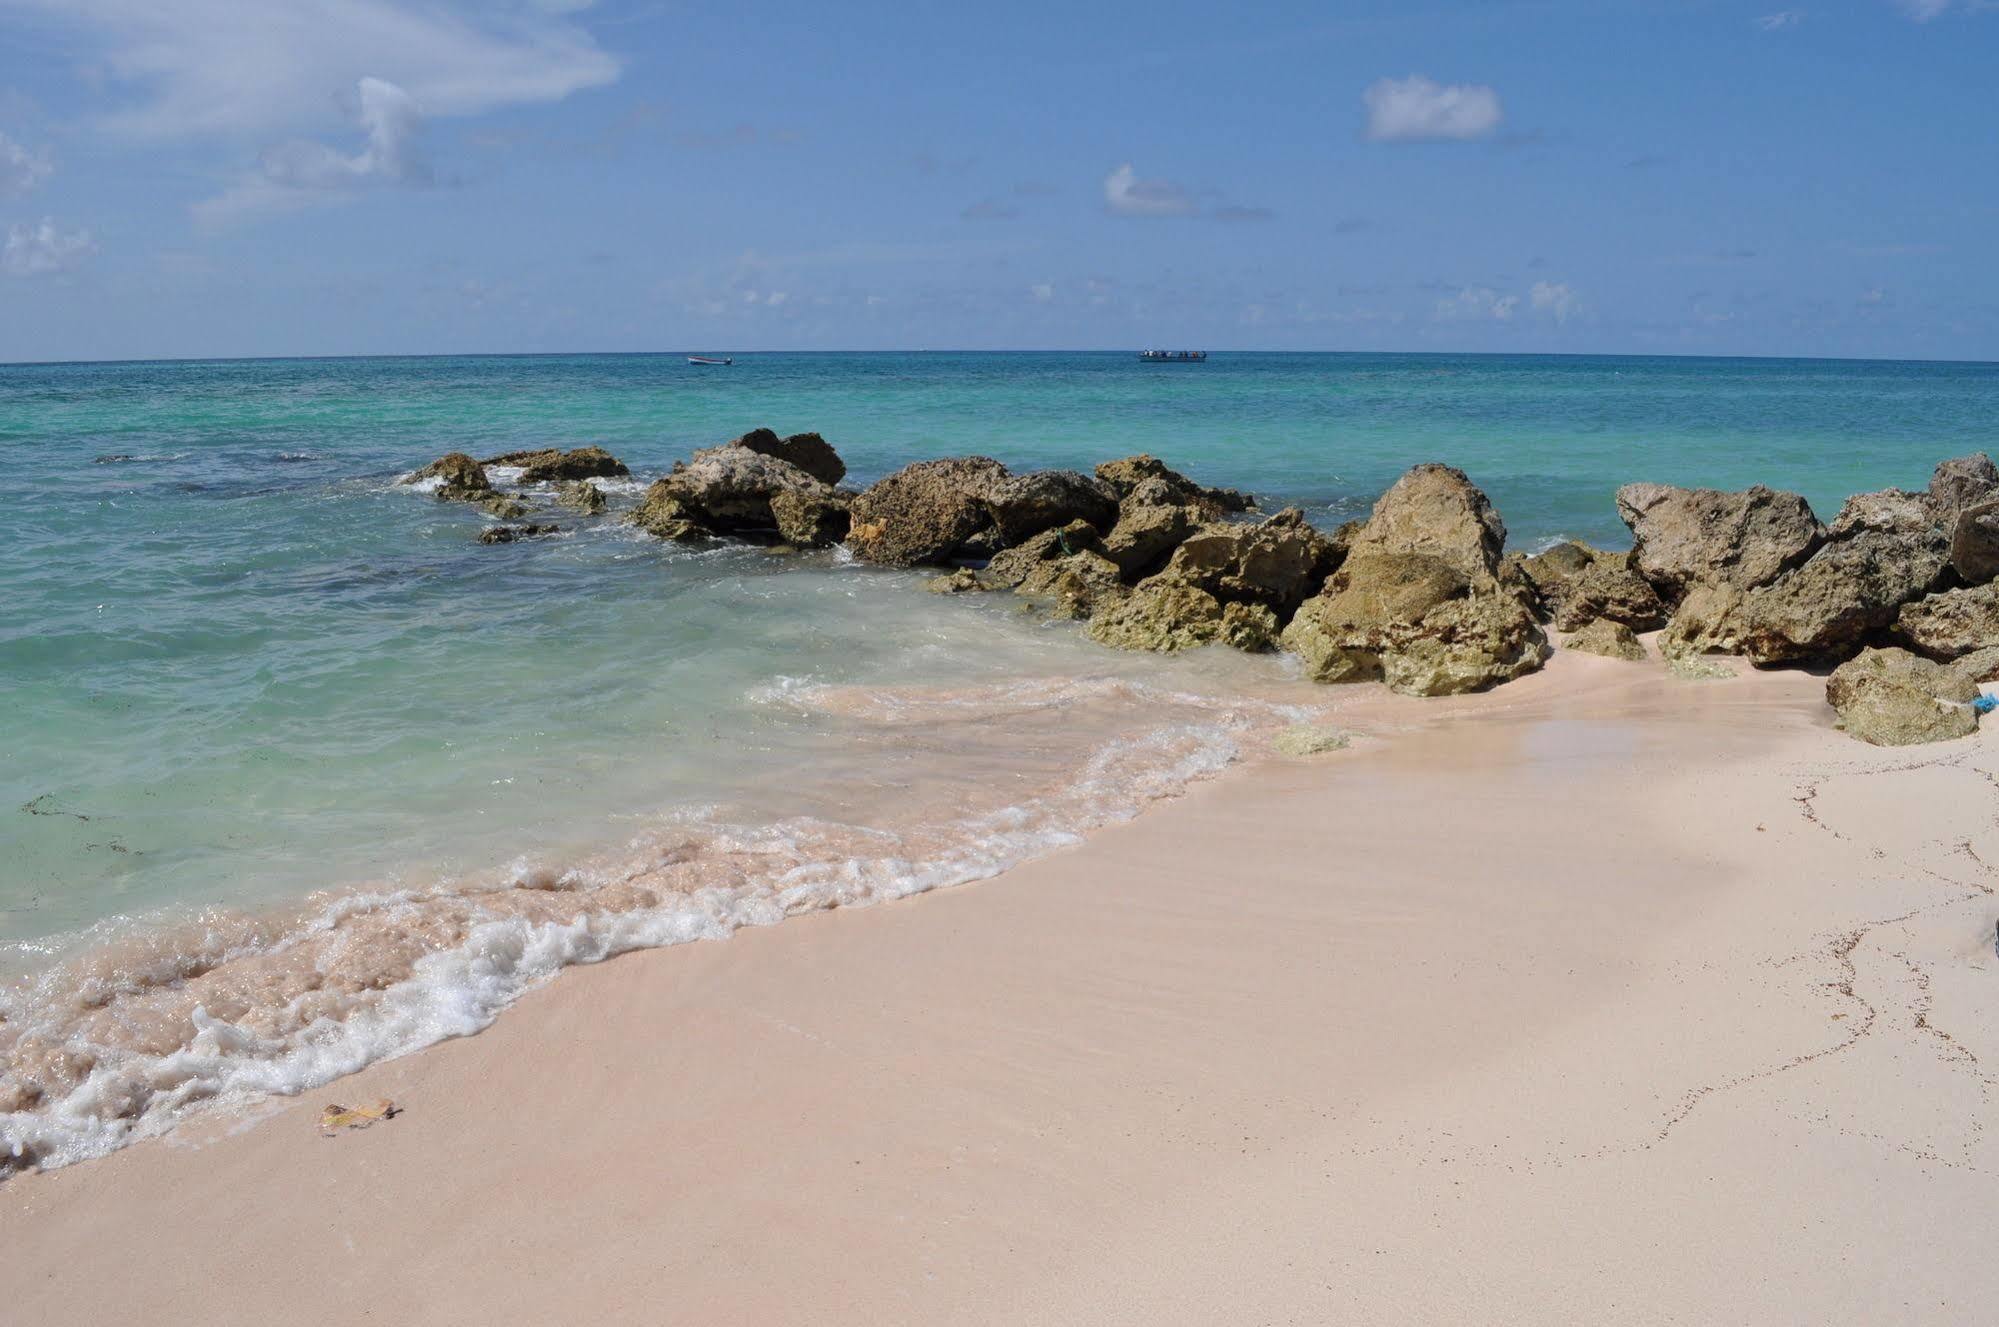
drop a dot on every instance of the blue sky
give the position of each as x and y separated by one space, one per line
250 177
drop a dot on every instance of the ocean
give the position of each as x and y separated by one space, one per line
294 773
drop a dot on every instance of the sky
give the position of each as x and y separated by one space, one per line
195 178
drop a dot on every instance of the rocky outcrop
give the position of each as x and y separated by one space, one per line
1960 483
1974 543
1023 506
459 477
1163 616
929 512
1435 511
552 464
1882 550
1251 628
1278 563
1074 585
1691 536
1612 640
507 534
1166 486
1951 624
808 451
1575 584
1890 697
580 495
737 490
810 518
662 514
1146 532
1012 566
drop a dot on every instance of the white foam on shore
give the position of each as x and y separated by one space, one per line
690 878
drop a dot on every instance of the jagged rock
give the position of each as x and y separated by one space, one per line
731 488
1078 585
1974 543
582 495
1279 562
1146 532
808 451
1961 482
1310 739
1604 589
1162 616
810 518
507 534
1953 623
459 477
1014 565
1881 551
1125 476
962 581
927 512
499 505
1704 623
1023 506
1612 640
1437 511
1251 628
1688 536
1549 568
662 514
1418 623
547 464
1890 697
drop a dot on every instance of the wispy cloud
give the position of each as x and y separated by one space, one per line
1417 108
20 169
39 250
1126 195
1557 299
1783 18
1923 10
1477 303
298 172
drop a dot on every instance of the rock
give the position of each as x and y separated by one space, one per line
1699 668
1883 550
1964 481
459 477
1159 616
1890 697
550 464
808 451
925 513
1078 585
1251 628
1023 506
1146 532
1704 623
962 581
1124 477
1279 562
1951 624
662 514
1436 511
1014 565
1974 543
1612 640
731 488
499 505
810 518
507 534
1605 589
1418 622
582 495
1688 536
1309 739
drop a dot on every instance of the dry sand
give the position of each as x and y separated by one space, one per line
1609 998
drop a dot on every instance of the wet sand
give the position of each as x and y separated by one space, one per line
1607 998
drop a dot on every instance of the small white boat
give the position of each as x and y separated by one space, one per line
703 359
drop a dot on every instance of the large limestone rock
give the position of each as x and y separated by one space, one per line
1705 622
1689 536
459 477
1612 640
552 465
1165 486
580 495
1576 584
1974 543
1881 551
1278 562
662 514
1437 511
925 513
1023 506
808 451
731 489
1251 628
1146 532
1013 565
1075 585
1951 624
1890 697
1162 616
1961 482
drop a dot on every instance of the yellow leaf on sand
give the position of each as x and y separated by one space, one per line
341 1117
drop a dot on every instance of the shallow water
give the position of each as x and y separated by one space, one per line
242 664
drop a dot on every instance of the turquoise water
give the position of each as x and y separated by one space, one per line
241 663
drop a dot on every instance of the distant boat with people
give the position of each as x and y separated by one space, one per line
1173 356
704 359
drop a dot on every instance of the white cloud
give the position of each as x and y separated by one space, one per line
1783 18
1477 303
1557 299
256 67
1923 10
1128 196
20 169
1416 108
1042 292
38 250
300 171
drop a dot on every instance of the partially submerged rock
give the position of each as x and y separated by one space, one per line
507 534
1311 739
1279 562
737 490
459 477
1164 617
1251 628
552 464
962 581
810 518
1890 697
1953 623
928 512
1612 640
1014 565
1690 536
580 495
1075 585
662 514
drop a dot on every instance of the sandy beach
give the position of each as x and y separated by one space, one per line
1609 997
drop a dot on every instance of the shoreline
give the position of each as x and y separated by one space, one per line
1656 983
